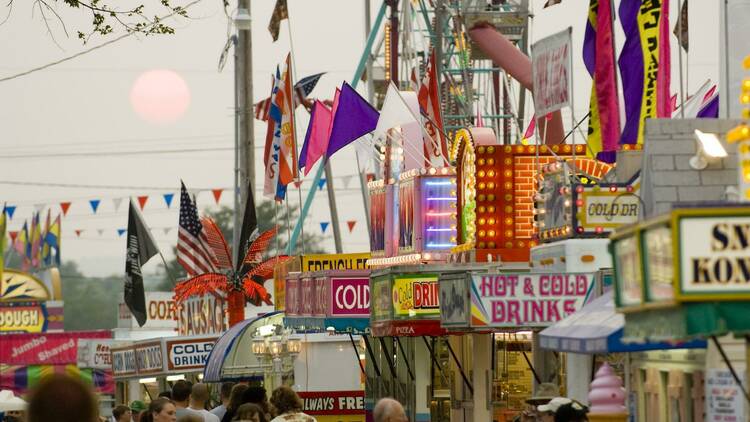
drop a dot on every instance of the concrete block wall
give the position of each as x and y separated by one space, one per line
667 177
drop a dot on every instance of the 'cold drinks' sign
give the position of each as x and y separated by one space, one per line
350 296
527 300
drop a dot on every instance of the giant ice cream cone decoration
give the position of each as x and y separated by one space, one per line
607 397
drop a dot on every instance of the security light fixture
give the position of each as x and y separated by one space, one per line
708 149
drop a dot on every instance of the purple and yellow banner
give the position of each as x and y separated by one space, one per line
599 58
644 65
20 379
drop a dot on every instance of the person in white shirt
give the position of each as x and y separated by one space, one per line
199 396
226 394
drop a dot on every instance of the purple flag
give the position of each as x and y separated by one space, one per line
354 117
710 109
631 71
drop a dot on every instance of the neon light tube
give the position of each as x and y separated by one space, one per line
440 245
439 230
439 214
438 183
441 199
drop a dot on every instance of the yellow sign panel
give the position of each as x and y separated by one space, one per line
416 295
26 318
346 261
18 286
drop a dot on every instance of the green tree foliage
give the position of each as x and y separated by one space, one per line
89 303
107 16
269 215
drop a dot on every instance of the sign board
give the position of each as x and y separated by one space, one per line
601 208
348 261
94 353
333 403
350 297
292 296
123 362
201 315
307 295
188 354
320 291
725 401
149 358
23 317
416 295
714 247
454 301
658 263
527 300
626 257
552 72
160 310
382 305
45 348
23 287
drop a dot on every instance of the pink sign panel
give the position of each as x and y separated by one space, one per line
44 349
292 296
350 296
321 297
307 289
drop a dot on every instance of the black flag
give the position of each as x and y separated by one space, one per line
249 228
140 248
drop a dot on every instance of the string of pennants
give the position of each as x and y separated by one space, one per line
325 224
143 200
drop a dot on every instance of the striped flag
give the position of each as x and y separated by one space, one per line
282 109
435 149
193 252
302 90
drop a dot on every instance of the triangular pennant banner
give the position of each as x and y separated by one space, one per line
94 204
168 199
321 183
13 235
217 194
117 202
100 231
10 210
324 226
351 224
346 180
142 201
64 206
78 233
39 207
120 232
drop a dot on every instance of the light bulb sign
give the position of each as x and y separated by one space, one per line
527 300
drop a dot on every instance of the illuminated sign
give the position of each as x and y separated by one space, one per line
416 295
527 300
200 315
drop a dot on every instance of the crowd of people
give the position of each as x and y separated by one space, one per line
61 398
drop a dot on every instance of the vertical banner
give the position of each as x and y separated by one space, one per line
552 72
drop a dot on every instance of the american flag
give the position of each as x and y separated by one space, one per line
193 252
302 89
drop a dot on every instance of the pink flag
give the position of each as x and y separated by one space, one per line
530 130
664 71
316 139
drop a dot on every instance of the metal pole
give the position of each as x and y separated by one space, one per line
246 122
679 54
394 40
236 193
332 206
438 46
371 99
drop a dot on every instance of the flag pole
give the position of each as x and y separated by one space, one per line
298 182
166 269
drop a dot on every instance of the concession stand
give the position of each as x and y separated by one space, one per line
682 276
155 363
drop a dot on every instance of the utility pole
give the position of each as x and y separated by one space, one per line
244 120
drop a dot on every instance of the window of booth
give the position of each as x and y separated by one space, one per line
512 380
442 380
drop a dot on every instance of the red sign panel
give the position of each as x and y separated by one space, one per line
44 349
405 328
333 402
320 304
307 291
292 297
350 296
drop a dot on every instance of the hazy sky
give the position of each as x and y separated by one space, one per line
83 106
